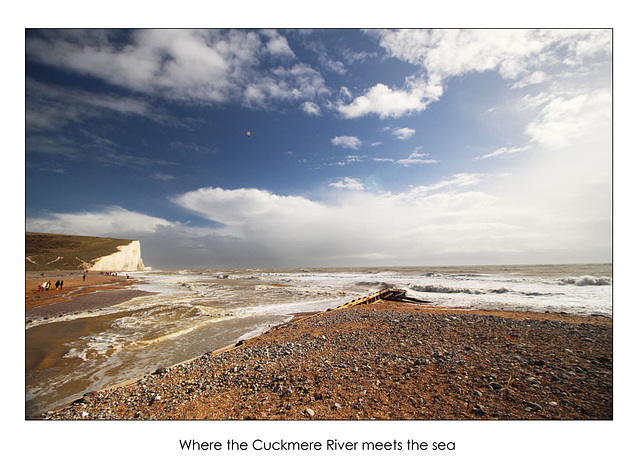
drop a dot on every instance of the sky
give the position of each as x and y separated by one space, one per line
338 147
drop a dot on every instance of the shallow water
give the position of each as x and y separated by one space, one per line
195 311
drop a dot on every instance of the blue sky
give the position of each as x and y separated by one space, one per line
377 147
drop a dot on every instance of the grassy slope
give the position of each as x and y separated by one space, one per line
65 250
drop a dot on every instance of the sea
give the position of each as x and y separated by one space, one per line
191 312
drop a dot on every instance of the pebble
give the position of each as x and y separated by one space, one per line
533 405
335 357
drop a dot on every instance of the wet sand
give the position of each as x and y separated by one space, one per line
94 292
384 361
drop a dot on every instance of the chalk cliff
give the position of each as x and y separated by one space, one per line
127 258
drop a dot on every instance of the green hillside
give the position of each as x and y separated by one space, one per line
66 252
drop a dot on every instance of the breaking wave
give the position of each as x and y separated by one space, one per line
442 289
585 280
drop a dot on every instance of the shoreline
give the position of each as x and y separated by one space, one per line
238 381
95 292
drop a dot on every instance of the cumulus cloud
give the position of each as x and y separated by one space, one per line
523 57
277 44
404 133
346 141
385 102
514 53
450 219
109 222
394 225
311 108
205 66
348 184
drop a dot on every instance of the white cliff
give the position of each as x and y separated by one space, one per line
127 258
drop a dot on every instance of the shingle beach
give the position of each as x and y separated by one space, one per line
384 361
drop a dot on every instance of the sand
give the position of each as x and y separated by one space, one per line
384 361
95 291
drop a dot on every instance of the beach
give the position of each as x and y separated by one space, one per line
96 290
383 361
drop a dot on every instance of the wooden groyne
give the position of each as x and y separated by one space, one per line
385 294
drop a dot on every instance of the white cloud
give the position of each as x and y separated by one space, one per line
207 66
346 141
524 57
277 44
415 223
448 221
348 184
404 133
349 160
163 177
514 53
285 84
504 152
416 161
245 211
311 108
110 222
385 102
536 77
564 121
458 180
345 93
383 159
417 158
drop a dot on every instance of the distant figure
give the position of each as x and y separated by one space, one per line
57 284
248 134
61 282
84 276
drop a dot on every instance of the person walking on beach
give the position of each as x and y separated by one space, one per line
61 282
84 276
57 284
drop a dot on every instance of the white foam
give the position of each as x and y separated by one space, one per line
586 280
